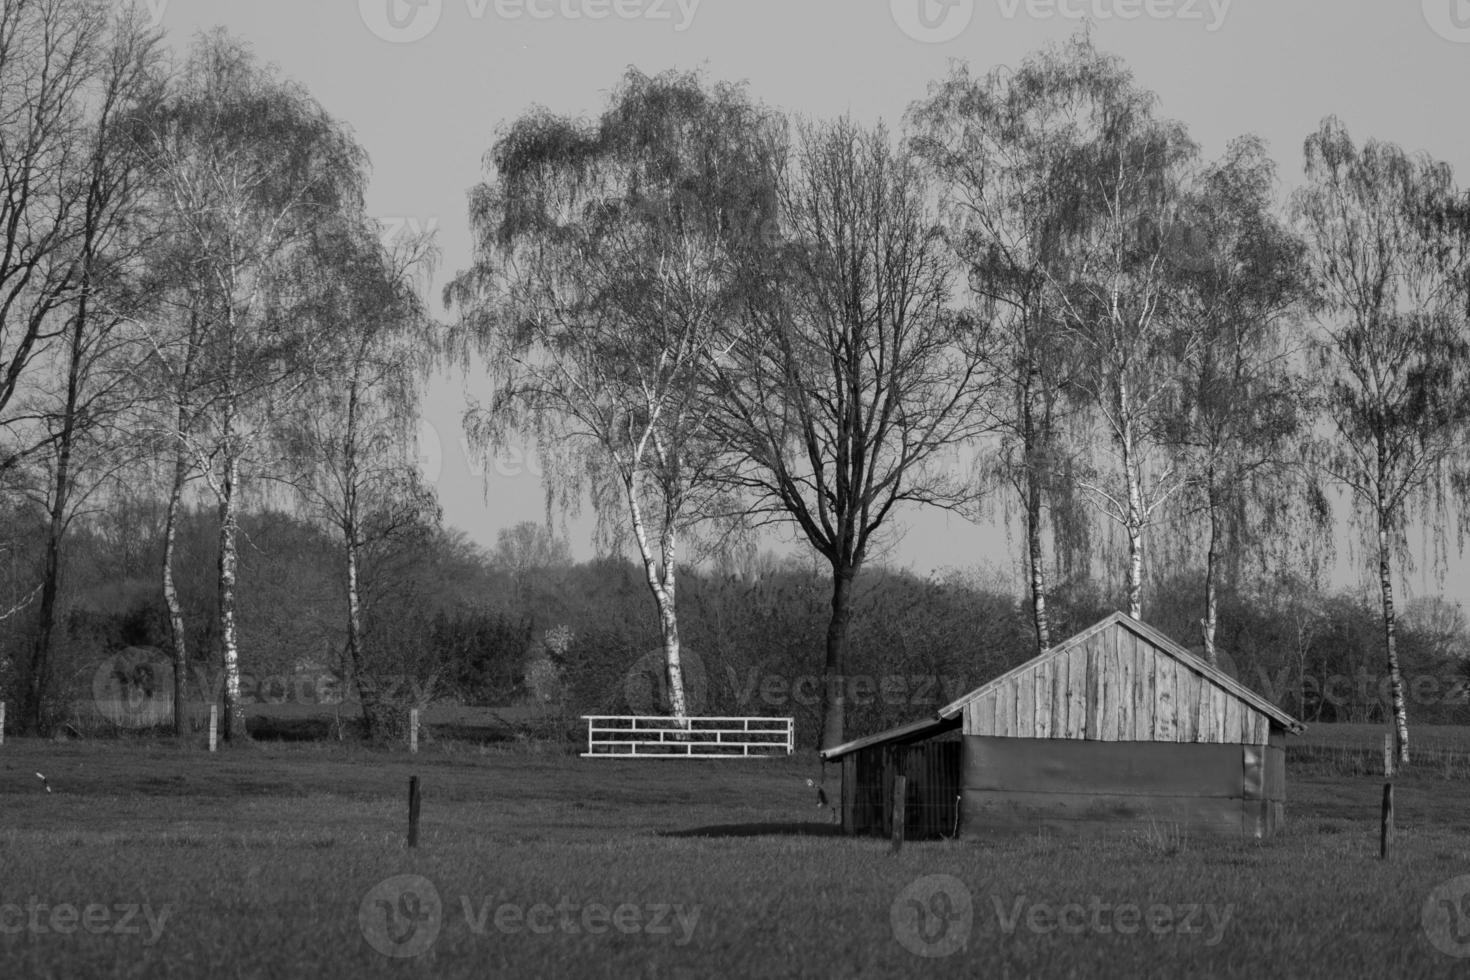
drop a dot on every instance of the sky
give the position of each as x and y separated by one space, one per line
427 85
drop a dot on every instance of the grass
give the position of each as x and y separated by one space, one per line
264 855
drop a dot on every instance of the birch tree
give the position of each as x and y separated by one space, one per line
1389 256
350 445
1243 417
247 165
608 257
856 374
1114 293
1001 146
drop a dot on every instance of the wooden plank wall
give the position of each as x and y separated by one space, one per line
933 770
1115 687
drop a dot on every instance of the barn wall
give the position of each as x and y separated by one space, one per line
1022 785
933 771
1114 686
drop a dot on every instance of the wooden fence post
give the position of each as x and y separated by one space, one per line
1385 830
900 797
413 729
213 726
413 811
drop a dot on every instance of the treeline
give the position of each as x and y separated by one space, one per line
522 627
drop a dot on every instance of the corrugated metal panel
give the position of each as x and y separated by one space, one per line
990 814
1093 786
1080 766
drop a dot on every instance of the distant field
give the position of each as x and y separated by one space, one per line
267 860
1437 738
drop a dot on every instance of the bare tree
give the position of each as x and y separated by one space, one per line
1389 254
608 261
856 375
76 405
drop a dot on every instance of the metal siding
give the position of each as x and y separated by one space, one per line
1253 771
1121 768
988 814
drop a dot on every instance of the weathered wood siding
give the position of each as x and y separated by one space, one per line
931 807
1114 686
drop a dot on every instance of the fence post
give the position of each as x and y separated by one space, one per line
213 726
413 729
413 811
900 797
2 722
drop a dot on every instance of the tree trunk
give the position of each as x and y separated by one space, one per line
834 680
663 588
1036 560
376 715
1390 636
1134 523
234 711
171 593
34 715
1212 562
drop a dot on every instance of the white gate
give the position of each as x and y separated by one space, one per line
643 737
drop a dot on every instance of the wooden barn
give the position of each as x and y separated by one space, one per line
1117 728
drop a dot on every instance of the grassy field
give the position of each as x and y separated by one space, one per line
149 859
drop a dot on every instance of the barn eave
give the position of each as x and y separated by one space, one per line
914 731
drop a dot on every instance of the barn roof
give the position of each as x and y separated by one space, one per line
951 715
911 732
1155 639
